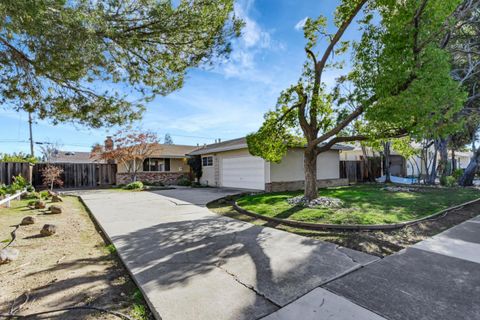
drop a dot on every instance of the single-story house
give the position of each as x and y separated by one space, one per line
229 164
166 164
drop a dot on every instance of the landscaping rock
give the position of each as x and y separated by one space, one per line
54 209
402 189
322 202
57 198
27 220
39 204
8 254
48 230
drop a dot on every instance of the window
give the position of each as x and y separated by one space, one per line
207 161
156 165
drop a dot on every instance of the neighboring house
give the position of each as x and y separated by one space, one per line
167 164
74 157
229 164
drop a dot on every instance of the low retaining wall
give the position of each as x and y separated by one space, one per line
299 185
151 177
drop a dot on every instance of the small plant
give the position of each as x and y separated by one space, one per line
183 181
111 249
137 185
44 194
457 174
448 181
51 176
138 306
33 196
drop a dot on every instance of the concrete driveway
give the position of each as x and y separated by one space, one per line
193 264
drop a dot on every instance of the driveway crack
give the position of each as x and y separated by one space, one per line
250 287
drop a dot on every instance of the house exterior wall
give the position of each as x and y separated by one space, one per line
291 168
176 165
178 169
286 175
212 175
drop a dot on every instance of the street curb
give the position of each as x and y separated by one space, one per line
356 227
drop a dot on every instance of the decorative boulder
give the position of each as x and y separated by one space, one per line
51 193
48 230
27 220
39 204
8 254
57 198
54 209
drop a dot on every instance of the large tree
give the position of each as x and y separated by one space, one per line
400 75
64 60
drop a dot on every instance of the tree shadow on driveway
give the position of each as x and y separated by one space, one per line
219 268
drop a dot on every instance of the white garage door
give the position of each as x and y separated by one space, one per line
243 172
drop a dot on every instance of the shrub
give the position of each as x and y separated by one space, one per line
457 174
44 194
448 181
33 195
183 181
134 185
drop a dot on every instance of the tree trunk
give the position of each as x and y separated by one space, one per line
454 163
310 163
441 145
386 155
433 173
467 178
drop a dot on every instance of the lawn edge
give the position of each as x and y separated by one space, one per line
356 227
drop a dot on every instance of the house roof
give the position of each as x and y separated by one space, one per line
172 150
240 143
74 157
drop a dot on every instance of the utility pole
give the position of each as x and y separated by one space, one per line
32 152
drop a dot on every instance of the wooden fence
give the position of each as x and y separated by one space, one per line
359 171
75 175
8 170
80 175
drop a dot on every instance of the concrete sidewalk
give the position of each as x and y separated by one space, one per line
436 279
193 264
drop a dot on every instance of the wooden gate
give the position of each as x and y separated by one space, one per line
80 175
356 171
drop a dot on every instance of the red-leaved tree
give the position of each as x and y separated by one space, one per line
131 148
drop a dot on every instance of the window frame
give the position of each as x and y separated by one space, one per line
164 163
207 161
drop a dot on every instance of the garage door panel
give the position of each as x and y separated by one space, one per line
243 172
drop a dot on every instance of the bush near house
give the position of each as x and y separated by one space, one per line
137 185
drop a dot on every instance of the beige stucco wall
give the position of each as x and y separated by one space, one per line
212 175
291 168
176 165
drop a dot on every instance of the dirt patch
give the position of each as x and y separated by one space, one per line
379 243
74 267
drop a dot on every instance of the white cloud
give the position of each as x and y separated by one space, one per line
300 24
254 42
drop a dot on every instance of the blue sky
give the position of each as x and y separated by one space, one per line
226 101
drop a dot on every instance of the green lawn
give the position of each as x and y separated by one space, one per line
364 204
